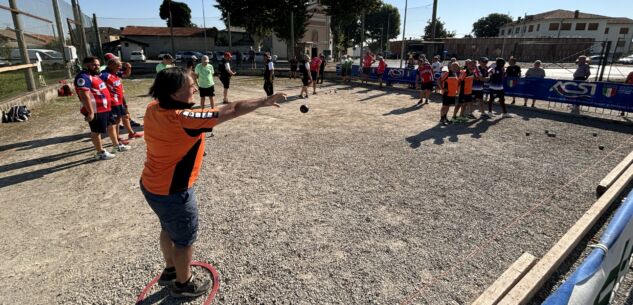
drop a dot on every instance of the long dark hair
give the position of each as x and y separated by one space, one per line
166 83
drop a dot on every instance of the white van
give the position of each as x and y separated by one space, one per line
49 57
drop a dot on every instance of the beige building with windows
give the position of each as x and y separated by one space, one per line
575 24
317 38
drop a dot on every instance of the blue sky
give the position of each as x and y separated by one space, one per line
458 15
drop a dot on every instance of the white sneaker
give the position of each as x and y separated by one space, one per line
508 115
104 155
121 148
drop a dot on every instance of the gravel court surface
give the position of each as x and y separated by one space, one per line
363 200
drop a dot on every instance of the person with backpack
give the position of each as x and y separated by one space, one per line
225 75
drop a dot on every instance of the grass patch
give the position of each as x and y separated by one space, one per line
13 83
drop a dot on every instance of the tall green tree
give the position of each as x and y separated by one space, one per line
256 16
281 26
345 20
489 26
440 30
180 12
376 24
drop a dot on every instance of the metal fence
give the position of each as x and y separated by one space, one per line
44 35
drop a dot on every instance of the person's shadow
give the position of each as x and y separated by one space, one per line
439 133
404 110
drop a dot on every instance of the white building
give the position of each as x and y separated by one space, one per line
568 24
317 38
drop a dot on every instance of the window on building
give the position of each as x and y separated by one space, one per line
502 32
516 30
593 27
620 43
565 27
538 27
580 26
531 28
606 30
553 26
624 30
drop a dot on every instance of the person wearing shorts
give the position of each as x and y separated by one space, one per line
425 78
175 150
449 83
368 60
111 76
269 74
315 65
96 105
203 74
496 86
382 65
306 77
466 78
225 75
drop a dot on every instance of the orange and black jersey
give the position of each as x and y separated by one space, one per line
449 83
466 78
175 147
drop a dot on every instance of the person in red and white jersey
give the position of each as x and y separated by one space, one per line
315 65
368 60
382 65
425 79
95 99
112 75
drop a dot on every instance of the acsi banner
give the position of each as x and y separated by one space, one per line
391 75
603 95
598 278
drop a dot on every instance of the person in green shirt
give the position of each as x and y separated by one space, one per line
168 62
203 74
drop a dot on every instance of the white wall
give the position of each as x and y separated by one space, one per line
598 34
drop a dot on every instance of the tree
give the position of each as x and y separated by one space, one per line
376 25
440 31
180 12
345 20
281 25
489 26
257 17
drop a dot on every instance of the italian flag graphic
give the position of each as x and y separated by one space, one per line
608 91
512 83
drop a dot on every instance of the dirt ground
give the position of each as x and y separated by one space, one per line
362 200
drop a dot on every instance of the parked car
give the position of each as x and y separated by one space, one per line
627 60
50 58
188 55
137 56
163 53
595 59
4 63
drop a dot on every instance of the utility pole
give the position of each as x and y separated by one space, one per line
19 35
171 29
292 34
204 26
94 24
362 36
229 30
433 27
404 28
82 32
60 35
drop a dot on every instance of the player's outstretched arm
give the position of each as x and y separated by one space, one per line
236 109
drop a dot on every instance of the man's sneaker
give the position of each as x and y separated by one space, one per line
121 148
134 135
134 124
104 155
168 277
508 115
193 288
124 142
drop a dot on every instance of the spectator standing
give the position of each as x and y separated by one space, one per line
225 75
425 78
535 72
346 68
368 60
168 62
315 65
306 77
111 76
513 70
322 67
496 87
238 59
203 75
293 67
437 69
582 71
629 78
269 74
251 58
382 65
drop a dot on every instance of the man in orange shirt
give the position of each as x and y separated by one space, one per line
466 78
174 134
